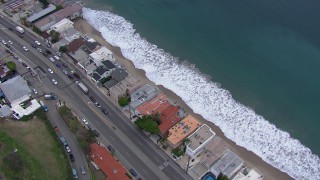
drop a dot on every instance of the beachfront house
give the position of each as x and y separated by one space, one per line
100 55
141 95
248 174
168 118
228 165
117 76
103 71
197 140
62 25
181 131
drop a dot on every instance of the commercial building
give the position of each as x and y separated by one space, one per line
41 14
182 130
111 168
228 165
201 137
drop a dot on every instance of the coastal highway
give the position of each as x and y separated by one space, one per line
133 145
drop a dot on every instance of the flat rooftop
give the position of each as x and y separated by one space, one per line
183 129
201 135
227 165
155 105
213 151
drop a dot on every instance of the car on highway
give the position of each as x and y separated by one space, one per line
35 91
68 149
85 121
25 49
65 72
10 42
37 43
51 59
56 57
39 50
104 111
54 81
71 158
50 71
4 42
133 172
82 170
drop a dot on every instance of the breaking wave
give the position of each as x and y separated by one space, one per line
238 122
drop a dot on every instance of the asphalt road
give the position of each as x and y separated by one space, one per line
139 152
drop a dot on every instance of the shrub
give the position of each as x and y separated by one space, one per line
123 101
11 65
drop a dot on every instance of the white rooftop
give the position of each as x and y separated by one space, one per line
102 54
246 174
27 111
15 88
200 136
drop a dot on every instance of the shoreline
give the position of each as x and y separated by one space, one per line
251 159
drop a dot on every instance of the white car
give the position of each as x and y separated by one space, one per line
4 42
51 59
38 43
25 49
35 91
50 71
85 121
39 50
10 42
68 149
56 57
20 60
54 81
65 72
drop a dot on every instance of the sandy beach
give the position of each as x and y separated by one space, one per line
251 160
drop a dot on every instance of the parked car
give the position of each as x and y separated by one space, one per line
54 81
68 149
71 158
110 148
24 64
25 49
70 76
20 35
104 111
39 50
10 28
85 121
38 43
51 59
33 45
93 99
65 65
133 172
58 65
4 42
50 71
74 173
10 42
82 170
95 132
35 91
65 72
44 53
59 54
56 57
49 52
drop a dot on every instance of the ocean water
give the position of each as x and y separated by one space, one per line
250 67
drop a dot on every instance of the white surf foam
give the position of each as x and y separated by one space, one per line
239 123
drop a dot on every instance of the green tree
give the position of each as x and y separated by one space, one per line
55 36
58 7
11 65
45 3
123 101
63 49
147 124
36 30
222 177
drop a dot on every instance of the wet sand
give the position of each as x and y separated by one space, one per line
251 160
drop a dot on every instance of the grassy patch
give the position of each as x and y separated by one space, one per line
38 146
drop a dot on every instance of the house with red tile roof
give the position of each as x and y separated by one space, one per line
168 118
108 165
155 105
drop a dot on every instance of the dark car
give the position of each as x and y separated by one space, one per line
71 157
76 75
133 172
110 148
58 65
8 51
33 45
49 52
20 35
93 99
70 76
95 132
44 53
24 64
65 65
10 28
104 111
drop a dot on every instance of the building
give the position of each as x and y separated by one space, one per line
248 174
182 130
71 12
168 118
109 166
70 34
103 71
14 6
91 45
124 87
100 55
40 14
62 25
117 76
75 45
155 105
18 94
141 95
201 137
213 151
228 165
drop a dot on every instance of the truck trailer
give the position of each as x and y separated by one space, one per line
82 87
20 29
